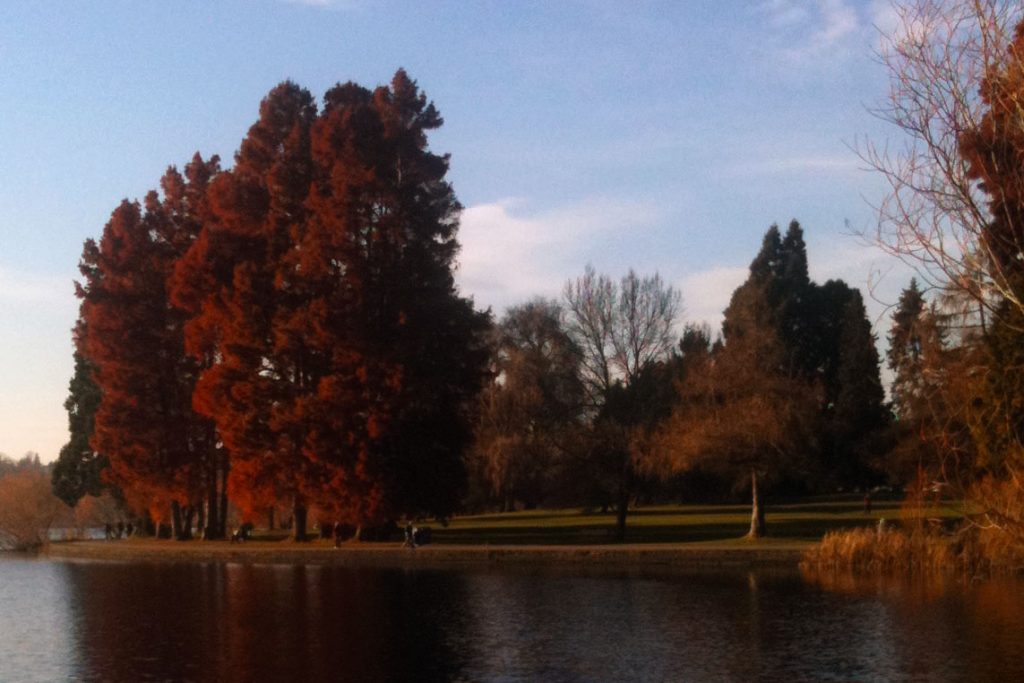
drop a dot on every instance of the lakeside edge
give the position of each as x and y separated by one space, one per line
435 556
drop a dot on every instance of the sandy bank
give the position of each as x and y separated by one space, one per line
432 556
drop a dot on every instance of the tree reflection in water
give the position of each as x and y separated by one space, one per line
214 622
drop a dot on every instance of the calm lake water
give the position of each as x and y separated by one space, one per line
99 621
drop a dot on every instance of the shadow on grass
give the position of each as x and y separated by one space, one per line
599 534
787 519
835 508
561 517
586 535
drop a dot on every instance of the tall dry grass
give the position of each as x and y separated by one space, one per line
886 550
971 551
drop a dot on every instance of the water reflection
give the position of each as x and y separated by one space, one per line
246 623
940 624
139 622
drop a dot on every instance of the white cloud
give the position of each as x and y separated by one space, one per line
785 13
706 293
812 33
510 255
880 279
845 259
884 16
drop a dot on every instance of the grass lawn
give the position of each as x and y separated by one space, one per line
655 534
792 524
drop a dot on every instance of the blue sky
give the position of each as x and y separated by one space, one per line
659 136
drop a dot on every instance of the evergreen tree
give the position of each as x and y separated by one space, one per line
133 338
931 390
993 150
177 217
858 417
829 308
769 321
695 342
78 469
760 287
418 346
905 349
346 363
238 284
796 295
779 287
124 312
819 334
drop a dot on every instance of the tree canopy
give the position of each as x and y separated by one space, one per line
287 330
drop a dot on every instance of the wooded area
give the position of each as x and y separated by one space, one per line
287 333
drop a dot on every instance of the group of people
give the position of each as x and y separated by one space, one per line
120 530
414 536
242 533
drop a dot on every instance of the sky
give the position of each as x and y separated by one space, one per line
656 136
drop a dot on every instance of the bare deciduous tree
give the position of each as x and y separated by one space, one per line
935 215
623 330
620 327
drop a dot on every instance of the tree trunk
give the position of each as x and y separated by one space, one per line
299 523
620 516
222 513
175 520
757 509
270 518
188 515
212 526
201 519
625 485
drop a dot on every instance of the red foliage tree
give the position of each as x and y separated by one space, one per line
993 151
128 330
178 218
408 357
231 283
321 286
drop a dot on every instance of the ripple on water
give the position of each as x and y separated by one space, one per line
103 621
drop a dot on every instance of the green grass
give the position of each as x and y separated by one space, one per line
793 524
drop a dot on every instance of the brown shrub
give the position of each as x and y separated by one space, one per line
888 550
971 551
28 508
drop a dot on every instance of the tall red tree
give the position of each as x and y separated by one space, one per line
322 287
231 282
159 449
408 353
178 217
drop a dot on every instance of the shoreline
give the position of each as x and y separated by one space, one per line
434 556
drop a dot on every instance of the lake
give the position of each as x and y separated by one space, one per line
111 621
